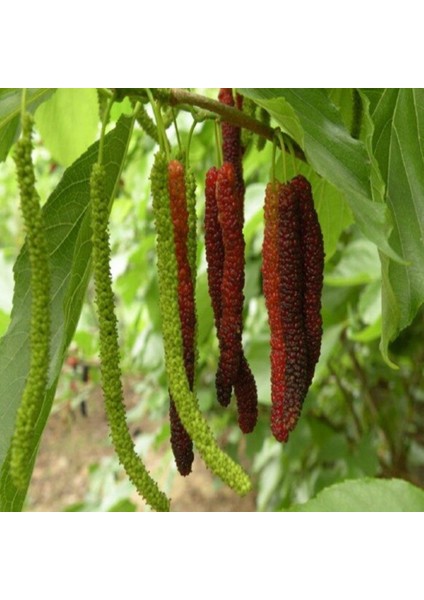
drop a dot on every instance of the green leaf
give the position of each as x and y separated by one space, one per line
77 507
330 340
359 264
253 216
6 283
343 99
10 110
124 505
8 134
368 334
369 307
4 321
367 495
285 116
69 237
68 123
369 311
398 144
333 153
334 214
257 354
205 320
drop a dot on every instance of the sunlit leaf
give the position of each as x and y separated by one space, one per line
367 495
333 153
10 110
359 264
68 123
398 143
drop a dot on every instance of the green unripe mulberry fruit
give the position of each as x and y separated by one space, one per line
109 349
23 444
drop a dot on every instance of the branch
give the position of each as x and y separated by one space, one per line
230 114
184 99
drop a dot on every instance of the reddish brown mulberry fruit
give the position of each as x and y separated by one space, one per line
214 245
182 446
313 268
231 138
230 327
244 384
282 271
246 397
293 261
272 287
215 255
181 443
292 286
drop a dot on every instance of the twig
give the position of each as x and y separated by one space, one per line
184 99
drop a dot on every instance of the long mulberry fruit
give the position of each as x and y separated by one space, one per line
272 288
244 384
35 386
231 138
284 418
313 268
214 245
109 348
181 443
293 260
230 327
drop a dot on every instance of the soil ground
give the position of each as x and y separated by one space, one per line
71 443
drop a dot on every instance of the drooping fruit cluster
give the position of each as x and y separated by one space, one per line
292 269
186 403
292 276
225 257
225 246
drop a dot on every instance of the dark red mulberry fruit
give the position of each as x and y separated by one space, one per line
246 396
313 267
230 327
244 383
293 261
231 138
181 443
214 245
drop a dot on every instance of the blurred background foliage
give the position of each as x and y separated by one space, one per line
361 418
